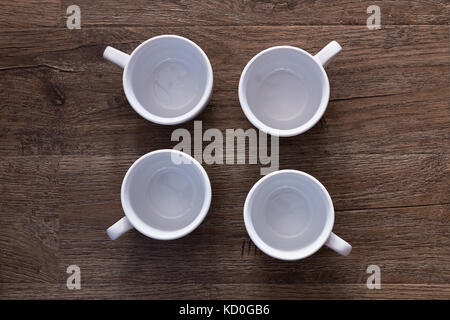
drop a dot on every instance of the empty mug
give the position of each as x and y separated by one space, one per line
289 215
284 90
165 195
167 79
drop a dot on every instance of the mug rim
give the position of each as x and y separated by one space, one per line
284 132
296 254
147 229
139 108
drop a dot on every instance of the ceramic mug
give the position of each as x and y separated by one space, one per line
289 215
165 195
167 79
284 90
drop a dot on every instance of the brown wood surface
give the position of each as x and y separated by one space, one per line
68 135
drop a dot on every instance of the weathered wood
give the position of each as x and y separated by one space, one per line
230 291
30 14
65 215
68 135
411 250
354 181
387 90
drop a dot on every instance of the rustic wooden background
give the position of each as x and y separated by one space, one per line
68 135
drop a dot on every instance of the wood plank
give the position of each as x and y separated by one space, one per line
409 244
228 291
67 213
269 12
28 248
29 245
354 182
68 135
412 252
381 84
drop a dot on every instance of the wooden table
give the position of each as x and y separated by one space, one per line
68 135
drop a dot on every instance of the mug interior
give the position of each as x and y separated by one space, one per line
284 88
289 214
167 192
169 76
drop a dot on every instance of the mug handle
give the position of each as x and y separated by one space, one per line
328 53
338 244
119 228
116 56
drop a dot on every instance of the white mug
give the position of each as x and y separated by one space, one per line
165 195
289 215
167 79
284 90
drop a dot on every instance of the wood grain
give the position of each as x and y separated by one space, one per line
30 14
68 135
